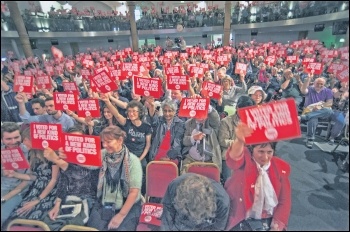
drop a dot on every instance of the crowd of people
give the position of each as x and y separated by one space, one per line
187 16
135 130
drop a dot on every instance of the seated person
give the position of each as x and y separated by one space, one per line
257 94
118 204
260 187
42 191
200 141
76 182
195 202
12 189
290 86
340 108
168 132
318 103
227 133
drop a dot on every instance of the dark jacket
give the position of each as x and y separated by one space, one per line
177 131
172 221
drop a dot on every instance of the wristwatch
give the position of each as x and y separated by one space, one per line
3 200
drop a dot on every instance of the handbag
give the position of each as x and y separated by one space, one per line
258 224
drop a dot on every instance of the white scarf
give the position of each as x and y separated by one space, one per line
265 197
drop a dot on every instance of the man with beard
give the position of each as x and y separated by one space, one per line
11 188
52 116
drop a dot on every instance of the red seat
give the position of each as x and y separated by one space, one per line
209 170
159 174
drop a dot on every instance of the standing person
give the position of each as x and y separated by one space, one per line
194 202
260 187
318 103
12 189
169 44
182 45
118 204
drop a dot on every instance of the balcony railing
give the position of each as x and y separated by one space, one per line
276 11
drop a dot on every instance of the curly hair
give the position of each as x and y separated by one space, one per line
196 199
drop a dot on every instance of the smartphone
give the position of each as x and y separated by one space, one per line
68 210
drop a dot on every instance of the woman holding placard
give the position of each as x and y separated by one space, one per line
138 133
41 193
260 189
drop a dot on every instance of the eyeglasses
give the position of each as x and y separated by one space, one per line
132 111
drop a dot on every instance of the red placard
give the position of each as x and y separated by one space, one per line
45 135
336 68
64 101
344 56
271 122
89 107
211 90
151 213
270 60
172 70
147 86
43 82
222 60
130 69
13 159
240 67
104 82
23 84
292 59
343 76
82 149
178 82
315 68
194 108
196 72
70 87
307 60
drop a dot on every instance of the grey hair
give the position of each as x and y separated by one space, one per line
172 104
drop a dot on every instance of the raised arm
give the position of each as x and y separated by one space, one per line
304 90
120 118
236 149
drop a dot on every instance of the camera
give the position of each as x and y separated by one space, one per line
177 40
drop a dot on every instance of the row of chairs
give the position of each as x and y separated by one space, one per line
34 225
159 174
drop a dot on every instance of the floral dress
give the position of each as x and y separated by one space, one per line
43 172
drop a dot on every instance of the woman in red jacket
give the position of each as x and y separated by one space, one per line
260 187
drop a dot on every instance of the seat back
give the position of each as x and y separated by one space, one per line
27 225
159 174
77 228
209 170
